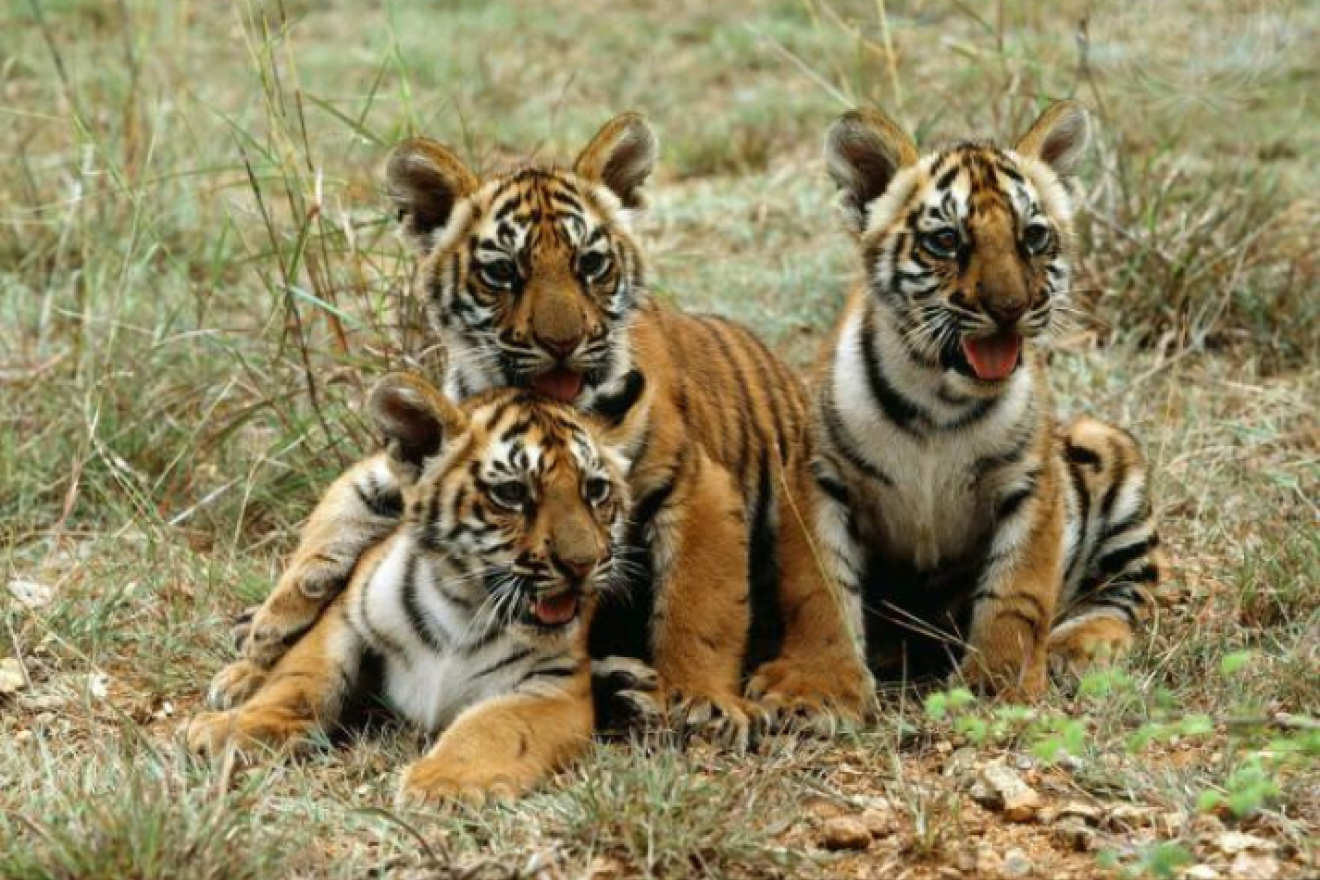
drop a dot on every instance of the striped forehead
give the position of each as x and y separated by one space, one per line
968 180
533 203
524 440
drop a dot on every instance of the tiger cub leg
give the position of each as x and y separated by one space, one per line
1015 598
306 690
360 509
1117 559
504 746
703 612
820 676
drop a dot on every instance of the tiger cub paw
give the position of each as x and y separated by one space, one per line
208 733
434 780
722 720
235 683
798 699
1078 647
1011 682
626 694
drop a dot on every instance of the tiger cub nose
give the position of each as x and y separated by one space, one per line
1006 311
559 347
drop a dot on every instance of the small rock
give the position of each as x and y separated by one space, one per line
1201 872
1075 833
845 832
1234 842
1016 864
1249 866
12 679
31 594
1000 788
1080 810
988 862
1125 817
879 822
960 763
98 685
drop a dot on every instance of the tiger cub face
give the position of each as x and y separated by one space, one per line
967 248
530 276
510 496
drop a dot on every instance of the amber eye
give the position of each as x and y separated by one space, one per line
512 494
499 273
597 490
593 264
1036 237
942 243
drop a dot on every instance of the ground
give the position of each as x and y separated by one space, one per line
199 278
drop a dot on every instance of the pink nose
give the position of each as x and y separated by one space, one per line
578 569
558 347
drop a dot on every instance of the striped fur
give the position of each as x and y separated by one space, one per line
478 603
965 526
534 279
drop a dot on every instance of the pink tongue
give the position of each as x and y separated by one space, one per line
993 357
557 610
561 384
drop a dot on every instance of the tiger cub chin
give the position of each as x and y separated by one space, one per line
477 607
967 526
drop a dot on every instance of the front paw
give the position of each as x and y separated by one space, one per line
723 720
208 733
235 684
435 780
1096 642
626 694
799 699
1013 682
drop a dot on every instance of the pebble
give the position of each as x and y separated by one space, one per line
1000 788
845 833
1016 864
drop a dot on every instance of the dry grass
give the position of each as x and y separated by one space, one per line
198 277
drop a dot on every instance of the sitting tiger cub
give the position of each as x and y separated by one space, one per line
960 515
479 604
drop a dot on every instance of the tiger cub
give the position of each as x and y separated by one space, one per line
478 605
965 523
533 279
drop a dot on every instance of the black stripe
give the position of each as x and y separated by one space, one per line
766 629
374 636
834 489
842 442
614 408
1115 561
1013 501
508 660
413 610
1082 454
897 408
552 668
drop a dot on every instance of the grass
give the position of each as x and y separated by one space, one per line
198 278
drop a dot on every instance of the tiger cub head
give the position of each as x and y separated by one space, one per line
511 494
966 248
530 276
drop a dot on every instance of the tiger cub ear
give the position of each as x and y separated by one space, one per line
1059 137
426 180
864 149
622 156
414 418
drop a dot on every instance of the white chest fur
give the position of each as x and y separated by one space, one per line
937 504
444 648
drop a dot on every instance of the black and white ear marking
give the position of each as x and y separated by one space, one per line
621 156
413 417
1059 137
864 149
426 180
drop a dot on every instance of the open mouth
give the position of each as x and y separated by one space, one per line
555 610
992 358
560 383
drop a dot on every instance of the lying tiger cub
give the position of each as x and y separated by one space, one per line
478 605
961 513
